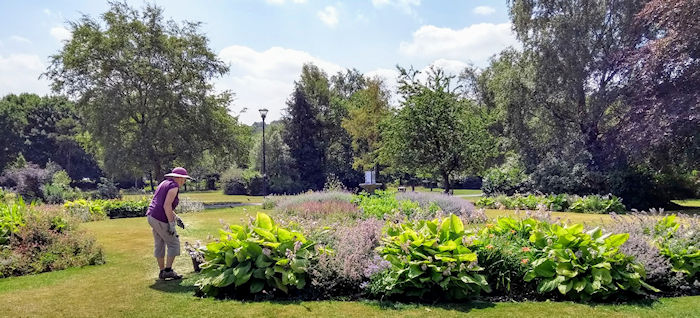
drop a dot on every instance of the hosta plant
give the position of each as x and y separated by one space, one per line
429 259
258 257
583 265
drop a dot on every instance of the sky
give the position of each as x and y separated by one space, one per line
266 42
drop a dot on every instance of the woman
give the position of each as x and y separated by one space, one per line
162 218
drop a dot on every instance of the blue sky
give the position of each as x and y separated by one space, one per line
267 41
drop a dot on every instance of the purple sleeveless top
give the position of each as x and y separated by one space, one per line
156 209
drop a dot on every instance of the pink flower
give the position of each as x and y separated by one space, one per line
526 249
525 261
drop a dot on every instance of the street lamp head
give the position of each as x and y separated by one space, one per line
263 113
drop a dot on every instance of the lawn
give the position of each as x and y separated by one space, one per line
459 192
691 203
126 287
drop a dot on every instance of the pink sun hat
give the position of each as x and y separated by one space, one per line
179 172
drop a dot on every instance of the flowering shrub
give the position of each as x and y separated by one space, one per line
667 246
353 262
41 242
429 258
282 202
86 210
254 258
439 201
560 202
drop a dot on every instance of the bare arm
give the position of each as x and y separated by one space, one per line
168 204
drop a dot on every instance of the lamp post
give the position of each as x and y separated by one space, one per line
263 114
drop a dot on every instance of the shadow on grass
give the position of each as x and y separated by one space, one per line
179 286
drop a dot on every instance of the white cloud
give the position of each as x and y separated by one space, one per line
484 10
329 16
19 73
404 5
47 12
475 43
279 2
60 33
265 78
451 67
20 39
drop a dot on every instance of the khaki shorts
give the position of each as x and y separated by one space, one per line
162 238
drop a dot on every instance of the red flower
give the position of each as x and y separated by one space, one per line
525 260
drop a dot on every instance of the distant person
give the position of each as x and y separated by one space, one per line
162 218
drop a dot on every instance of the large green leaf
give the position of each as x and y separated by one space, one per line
284 235
616 240
267 235
544 267
565 288
256 286
566 269
414 271
224 279
548 285
264 221
229 257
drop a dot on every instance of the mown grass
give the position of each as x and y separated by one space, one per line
127 287
691 203
439 190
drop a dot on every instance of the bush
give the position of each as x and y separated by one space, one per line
233 182
560 202
283 202
354 261
107 189
86 210
254 182
429 259
45 242
443 202
186 206
28 180
11 219
667 246
507 178
260 257
116 209
385 203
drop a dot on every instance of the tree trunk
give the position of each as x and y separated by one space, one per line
446 181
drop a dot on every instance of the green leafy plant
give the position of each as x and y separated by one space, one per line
384 202
429 258
260 256
11 218
583 265
682 251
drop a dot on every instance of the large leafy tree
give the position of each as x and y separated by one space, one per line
368 108
435 131
663 96
45 129
144 87
574 47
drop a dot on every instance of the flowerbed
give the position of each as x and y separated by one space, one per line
560 202
91 210
394 254
34 241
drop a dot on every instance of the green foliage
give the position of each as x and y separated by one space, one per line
159 75
233 182
682 251
384 203
583 265
88 210
559 202
258 257
11 218
435 131
107 189
508 178
429 258
506 258
597 204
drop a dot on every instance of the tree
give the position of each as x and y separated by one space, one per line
302 136
368 108
12 123
665 73
45 129
279 165
435 131
144 88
